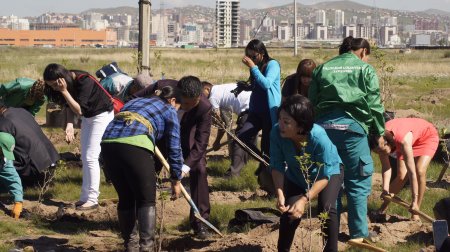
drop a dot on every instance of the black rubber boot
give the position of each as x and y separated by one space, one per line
147 225
128 229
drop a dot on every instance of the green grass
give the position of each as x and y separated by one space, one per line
247 180
413 81
67 184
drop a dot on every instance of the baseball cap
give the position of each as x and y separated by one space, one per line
7 143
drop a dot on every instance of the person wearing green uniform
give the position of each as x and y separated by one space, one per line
9 178
23 93
346 95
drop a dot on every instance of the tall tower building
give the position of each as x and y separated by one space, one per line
338 21
227 23
321 17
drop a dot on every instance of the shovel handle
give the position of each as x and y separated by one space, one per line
366 246
405 204
186 194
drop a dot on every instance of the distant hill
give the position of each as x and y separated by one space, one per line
340 5
134 11
437 12
208 13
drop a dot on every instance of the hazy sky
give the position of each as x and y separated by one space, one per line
36 7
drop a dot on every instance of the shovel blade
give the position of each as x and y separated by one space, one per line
440 233
197 215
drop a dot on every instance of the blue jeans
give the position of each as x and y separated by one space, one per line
352 143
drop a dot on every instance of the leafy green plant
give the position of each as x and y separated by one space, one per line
163 197
306 164
137 60
49 177
385 76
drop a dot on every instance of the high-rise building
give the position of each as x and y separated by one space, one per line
338 22
227 23
339 19
284 31
386 33
321 17
320 32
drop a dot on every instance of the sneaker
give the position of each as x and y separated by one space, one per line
87 206
201 233
79 203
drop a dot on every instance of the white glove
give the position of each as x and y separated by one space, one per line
185 170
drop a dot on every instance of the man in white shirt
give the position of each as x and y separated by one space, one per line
224 104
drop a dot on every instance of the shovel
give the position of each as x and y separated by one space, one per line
365 245
186 195
406 205
440 228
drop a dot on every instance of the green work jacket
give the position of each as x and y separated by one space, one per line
348 84
15 94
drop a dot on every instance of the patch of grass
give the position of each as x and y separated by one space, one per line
247 181
12 228
5 247
67 186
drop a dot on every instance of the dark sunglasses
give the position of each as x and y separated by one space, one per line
253 57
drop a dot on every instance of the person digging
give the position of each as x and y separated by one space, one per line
9 178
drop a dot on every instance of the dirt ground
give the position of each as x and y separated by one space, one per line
390 229
60 215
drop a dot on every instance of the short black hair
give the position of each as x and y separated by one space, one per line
190 86
301 110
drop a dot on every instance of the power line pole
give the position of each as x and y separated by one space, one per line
295 28
144 36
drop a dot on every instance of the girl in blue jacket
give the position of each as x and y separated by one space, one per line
265 97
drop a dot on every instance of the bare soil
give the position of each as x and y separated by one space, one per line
103 234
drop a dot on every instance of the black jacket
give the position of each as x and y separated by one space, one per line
33 152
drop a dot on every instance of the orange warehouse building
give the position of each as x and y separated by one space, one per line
64 37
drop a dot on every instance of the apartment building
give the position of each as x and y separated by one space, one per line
227 23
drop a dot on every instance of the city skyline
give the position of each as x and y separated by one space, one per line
36 8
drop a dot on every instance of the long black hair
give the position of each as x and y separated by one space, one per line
258 46
53 72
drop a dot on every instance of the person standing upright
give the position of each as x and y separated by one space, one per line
346 96
264 102
195 129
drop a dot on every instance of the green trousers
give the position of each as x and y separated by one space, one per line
353 148
10 180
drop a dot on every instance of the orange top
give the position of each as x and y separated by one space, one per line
425 136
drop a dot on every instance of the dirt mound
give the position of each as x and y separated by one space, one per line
436 96
403 113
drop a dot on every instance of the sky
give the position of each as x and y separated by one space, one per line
23 8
